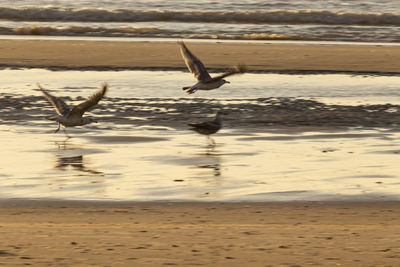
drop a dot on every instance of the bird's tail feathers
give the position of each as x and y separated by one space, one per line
186 88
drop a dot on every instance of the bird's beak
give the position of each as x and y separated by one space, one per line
228 82
95 121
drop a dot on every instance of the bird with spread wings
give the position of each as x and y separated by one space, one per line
204 80
68 117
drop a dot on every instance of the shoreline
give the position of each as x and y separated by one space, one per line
45 202
211 70
21 203
270 57
190 40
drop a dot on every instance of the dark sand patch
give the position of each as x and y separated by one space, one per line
176 113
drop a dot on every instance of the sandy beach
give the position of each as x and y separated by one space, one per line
47 233
164 55
304 171
69 233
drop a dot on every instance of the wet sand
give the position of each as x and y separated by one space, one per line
164 55
206 234
261 113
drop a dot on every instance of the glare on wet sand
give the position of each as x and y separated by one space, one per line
142 150
165 164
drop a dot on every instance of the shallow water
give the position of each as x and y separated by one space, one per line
328 88
155 163
141 150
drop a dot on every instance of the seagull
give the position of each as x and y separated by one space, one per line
69 118
208 127
204 80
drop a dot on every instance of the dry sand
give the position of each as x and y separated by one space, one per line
258 57
205 234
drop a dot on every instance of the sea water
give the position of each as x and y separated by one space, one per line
334 20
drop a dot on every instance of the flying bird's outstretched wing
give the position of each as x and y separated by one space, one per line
92 101
235 70
194 64
59 105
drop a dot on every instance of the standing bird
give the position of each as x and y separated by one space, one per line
208 127
204 80
69 118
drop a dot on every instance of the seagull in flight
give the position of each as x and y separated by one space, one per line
204 80
208 127
73 117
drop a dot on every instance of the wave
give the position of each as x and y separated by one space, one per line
81 31
333 34
264 16
135 32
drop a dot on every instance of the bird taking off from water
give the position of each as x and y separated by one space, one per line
208 127
204 80
69 118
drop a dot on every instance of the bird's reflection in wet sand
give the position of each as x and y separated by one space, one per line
215 167
77 161
213 160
